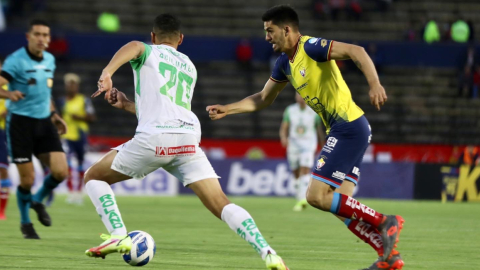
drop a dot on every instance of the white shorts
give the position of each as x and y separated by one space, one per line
178 154
300 158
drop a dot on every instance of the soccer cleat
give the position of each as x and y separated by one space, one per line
394 262
42 214
112 244
390 232
28 231
275 262
3 217
300 205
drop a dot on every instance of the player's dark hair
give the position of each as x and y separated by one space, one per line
37 22
281 15
166 25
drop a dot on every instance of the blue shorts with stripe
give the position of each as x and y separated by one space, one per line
343 152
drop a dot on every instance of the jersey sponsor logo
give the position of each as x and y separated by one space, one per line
49 82
354 204
21 159
320 163
332 141
301 87
356 171
315 104
184 150
312 40
323 43
338 175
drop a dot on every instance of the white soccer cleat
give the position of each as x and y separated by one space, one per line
275 262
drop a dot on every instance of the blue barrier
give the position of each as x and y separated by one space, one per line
205 49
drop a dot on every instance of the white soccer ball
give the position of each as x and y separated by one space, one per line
143 249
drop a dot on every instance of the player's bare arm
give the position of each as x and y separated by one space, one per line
252 103
131 50
57 120
359 56
12 95
119 100
284 133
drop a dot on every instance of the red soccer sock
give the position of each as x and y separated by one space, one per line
70 180
4 193
81 174
347 207
367 233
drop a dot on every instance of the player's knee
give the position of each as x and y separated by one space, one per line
319 199
27 180
60 175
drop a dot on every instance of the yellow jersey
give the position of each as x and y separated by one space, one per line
3 109
80 106
318 80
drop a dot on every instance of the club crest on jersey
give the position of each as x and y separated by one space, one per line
320 163
302 71
323 43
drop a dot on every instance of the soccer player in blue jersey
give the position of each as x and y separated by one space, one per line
33 127
308 64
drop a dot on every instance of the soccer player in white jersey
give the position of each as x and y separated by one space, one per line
300 132
167 136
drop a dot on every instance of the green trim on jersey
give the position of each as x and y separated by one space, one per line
286 115
137 63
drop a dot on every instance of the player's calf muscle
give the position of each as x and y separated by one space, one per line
320 198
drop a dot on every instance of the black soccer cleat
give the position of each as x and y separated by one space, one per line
390 232
394 262
42 214
28 231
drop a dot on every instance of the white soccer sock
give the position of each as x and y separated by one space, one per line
304 180
240 221
103 199
298 189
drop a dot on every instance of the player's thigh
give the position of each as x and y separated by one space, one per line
101 170
26 173
211 194
56 162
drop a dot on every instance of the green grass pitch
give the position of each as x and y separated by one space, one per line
436 236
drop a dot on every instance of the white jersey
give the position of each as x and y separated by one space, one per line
164 84
302 133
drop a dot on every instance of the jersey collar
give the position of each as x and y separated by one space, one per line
33 57
296 50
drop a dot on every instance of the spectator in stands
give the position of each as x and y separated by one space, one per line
470 156
446 31
336 6
466 65
355 10
460 31
244 54
411 33
476 81
431 33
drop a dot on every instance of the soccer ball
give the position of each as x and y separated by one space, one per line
143 249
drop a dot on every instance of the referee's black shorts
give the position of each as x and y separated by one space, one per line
27 136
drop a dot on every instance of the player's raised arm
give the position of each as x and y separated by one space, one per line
251 103
130 51
119 100
359 56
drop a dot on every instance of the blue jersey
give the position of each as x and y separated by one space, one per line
32 76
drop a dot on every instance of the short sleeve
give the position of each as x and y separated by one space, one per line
137 63
9 68
278 74
286 116
318 49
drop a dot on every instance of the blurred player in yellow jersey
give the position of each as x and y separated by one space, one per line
308 64
4 179
78 113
